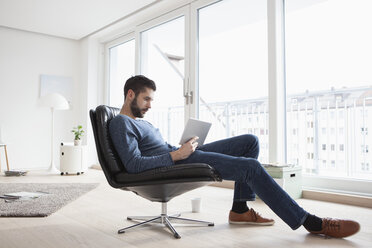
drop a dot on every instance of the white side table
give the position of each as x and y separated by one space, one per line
72 159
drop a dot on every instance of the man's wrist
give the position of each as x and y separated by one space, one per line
174 155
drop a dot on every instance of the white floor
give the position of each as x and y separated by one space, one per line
93 220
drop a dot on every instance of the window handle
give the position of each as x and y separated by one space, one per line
186 91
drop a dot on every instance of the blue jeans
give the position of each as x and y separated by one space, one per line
236 159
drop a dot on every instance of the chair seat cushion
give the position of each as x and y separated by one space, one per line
180 171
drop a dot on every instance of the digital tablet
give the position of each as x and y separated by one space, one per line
194 128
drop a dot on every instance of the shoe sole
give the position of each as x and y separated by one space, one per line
252 223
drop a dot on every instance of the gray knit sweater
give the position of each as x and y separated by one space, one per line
139 144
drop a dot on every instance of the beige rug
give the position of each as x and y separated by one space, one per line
59 194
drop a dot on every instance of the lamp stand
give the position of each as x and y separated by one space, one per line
52 168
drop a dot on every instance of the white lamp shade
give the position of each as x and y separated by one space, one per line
55 101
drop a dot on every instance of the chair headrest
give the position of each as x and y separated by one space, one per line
107 155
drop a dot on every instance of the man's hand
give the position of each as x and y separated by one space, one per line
185 150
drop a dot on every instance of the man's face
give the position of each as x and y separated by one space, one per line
142 103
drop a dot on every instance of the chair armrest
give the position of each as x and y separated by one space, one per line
180 171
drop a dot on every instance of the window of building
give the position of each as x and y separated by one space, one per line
310 155
341 131
323 115
332 131
332 114
341 114
364 130
341 147
340 164
364 148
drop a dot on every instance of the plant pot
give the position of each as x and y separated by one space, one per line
77 142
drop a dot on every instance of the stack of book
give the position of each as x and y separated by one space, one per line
10 173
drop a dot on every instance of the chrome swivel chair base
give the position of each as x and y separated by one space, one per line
165 220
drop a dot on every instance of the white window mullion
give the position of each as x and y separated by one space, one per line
194 62
138 51
276 73
189 60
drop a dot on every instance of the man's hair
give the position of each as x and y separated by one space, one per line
138 84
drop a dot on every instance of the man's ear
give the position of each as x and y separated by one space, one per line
131 95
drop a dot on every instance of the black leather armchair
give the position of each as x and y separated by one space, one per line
158 185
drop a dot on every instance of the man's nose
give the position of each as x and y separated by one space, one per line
149 105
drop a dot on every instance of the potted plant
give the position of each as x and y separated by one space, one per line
78 132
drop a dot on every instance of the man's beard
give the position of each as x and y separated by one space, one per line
136 111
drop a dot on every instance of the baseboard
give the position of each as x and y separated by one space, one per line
349 199
96 167
327 196
224 184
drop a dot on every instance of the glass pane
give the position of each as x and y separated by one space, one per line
162 60
329 86
233 84
121 68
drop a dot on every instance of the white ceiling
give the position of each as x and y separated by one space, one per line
73 19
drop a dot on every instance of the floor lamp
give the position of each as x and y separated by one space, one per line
54 101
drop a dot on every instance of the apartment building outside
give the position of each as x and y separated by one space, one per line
328 132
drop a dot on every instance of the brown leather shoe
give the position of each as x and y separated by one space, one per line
338 228
250 217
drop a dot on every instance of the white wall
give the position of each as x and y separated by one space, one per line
26 126
93 89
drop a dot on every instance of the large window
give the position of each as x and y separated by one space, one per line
217 60
329 86
121 67
233 84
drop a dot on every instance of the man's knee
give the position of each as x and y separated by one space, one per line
249 138
252 141
256 166
252 138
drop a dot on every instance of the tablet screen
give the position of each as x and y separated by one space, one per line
194 128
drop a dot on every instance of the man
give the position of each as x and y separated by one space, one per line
141 147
